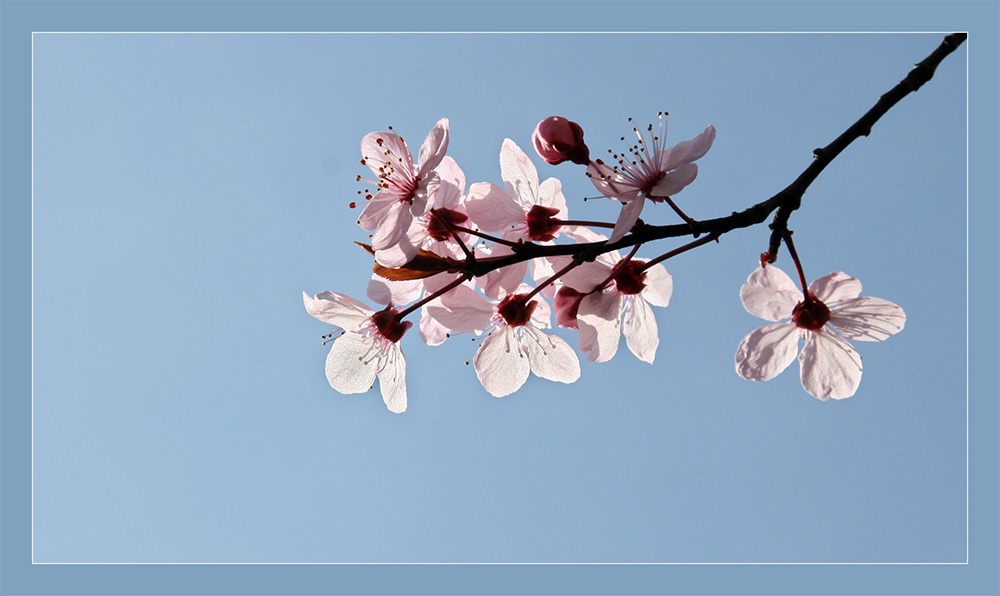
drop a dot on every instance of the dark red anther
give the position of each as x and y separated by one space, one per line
541 225
810 314
389 325
439 226
629 279
516 310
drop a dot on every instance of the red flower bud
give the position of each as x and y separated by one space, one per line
557 139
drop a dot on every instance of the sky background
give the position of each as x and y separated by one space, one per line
189 187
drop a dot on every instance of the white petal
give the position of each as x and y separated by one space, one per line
518 174
829 366
599 321
462 310
867 318
586 276
550 195
500 364
393 227
431 330
501 282
550 357
640 330
626 219
767 351
834 288
384 291
770 294
434 147
675 181
352 363
392 380
338 309
659 286
491 208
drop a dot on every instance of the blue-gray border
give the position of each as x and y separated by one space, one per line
19 18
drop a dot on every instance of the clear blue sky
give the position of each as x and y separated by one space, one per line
188 188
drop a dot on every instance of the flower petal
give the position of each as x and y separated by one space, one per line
834 288
626 219
491 208
452 180
586 276
462 310
518 174
434 147
767 351
375 211
867 318
550 195
599 321
500 364
381 148
392 380
404 249
829 366
659 286
610 183
688 151
431 330
550 357
639 328
384 291
770 294
675 181
351 364
338 309
395 225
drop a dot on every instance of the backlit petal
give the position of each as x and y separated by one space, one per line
338 309
352 364
639 327
434 147
867 318
518 174
829 367
392 380
688 151
500 364
550 357
659 286
599 322
770 294
767 351
626 219
395 225
836 287
491 208
675 181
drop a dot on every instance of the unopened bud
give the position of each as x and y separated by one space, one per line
557 139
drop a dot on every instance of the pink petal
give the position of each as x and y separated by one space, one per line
403 251
867 318
640 330
626 219
586 276
518 174
770 294
829 367
434 147
431 330
462 310
375 211
611 184
501 282
383 291
550 195
491 208
500 364
675 181
452 184
392 380
688 151
599 321
395 225
350 365
833 288
550 357
340 310
392 150
767 351
659 286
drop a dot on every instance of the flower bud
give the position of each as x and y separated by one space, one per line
557 139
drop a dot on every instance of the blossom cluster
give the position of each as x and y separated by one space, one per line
430 230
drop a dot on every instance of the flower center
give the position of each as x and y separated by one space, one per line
441 222
810 314
516 310
388 324
630 278
541 225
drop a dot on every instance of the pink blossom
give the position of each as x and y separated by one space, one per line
648 170
833 313
404 189
557 139
368 349
516 346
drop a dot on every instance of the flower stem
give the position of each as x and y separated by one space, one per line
710 237
459 281
795 259
572 265
578 222
677 210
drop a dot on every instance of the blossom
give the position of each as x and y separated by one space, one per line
832 313
516 346
404 189
648 170
604 300
368 349
557 139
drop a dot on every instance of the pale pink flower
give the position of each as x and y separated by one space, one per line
404 189
604 300
557 139
369 348
829 367
648 170
516 346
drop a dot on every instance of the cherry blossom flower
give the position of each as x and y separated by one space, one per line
833 313
648 170
368 349
516 346
557 139
404 189
606 299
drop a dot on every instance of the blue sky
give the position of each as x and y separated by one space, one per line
189 187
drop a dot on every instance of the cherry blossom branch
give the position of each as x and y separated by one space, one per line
785 202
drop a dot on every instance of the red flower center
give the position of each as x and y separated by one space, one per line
541 225
516 310
388 324
439 227
629 279
810 314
